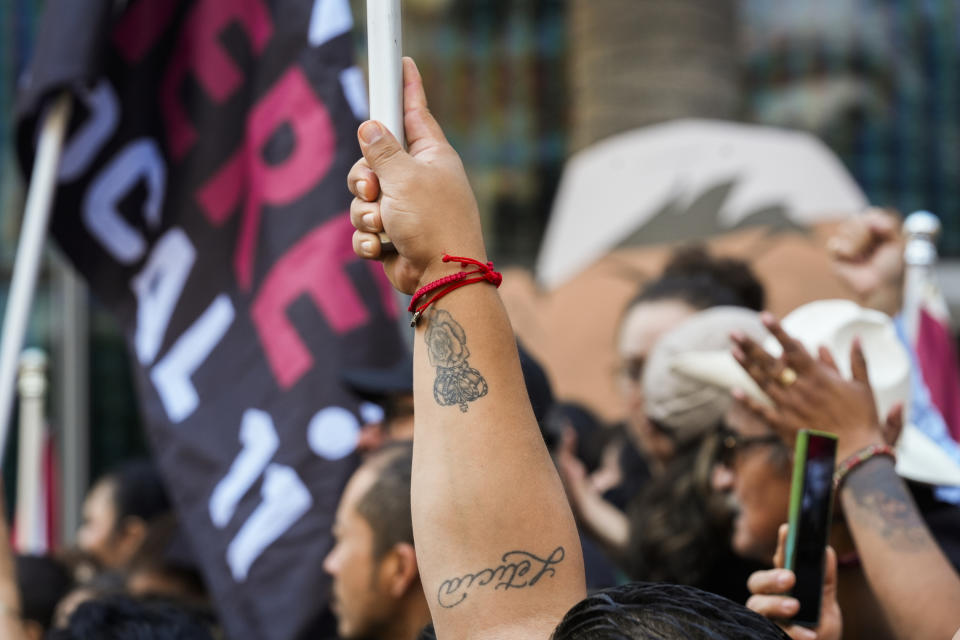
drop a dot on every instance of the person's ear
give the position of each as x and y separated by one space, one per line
403 570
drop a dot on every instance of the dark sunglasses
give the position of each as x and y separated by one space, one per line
733 444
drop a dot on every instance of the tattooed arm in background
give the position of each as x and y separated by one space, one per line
496 542
903 563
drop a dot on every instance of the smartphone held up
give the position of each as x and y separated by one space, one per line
811 512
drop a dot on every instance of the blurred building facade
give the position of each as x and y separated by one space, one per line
878 80
521 84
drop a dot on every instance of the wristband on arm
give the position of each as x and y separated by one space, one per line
447 284
858 459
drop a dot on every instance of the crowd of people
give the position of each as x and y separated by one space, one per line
486 508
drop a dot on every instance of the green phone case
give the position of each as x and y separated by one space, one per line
796 495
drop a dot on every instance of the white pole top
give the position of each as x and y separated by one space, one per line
921 229
32 380
385 50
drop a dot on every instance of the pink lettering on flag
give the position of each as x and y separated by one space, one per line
291 101
199 50
315 267
220 196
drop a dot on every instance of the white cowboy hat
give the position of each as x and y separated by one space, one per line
834 324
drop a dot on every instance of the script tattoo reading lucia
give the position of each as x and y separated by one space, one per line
519 570
457 383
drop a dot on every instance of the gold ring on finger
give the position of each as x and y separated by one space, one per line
788 376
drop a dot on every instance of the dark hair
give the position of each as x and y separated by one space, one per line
702 281
138 491
678 525
428 633
123 618
166 552
386 504
648 611
42 582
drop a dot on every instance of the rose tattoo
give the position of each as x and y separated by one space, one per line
457 383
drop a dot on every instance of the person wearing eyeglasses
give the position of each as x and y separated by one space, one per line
692 281
677 529
754 470
680 523
888 547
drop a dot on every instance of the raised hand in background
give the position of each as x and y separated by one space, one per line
867 253
902 562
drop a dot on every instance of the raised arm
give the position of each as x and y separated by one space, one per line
496 543
903 563
607 524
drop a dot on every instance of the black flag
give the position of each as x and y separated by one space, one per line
202 194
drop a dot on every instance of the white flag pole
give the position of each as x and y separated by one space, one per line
36 216
921 229
31 534
384 50
385 68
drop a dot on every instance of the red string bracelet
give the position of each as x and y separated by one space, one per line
857 459
452 282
